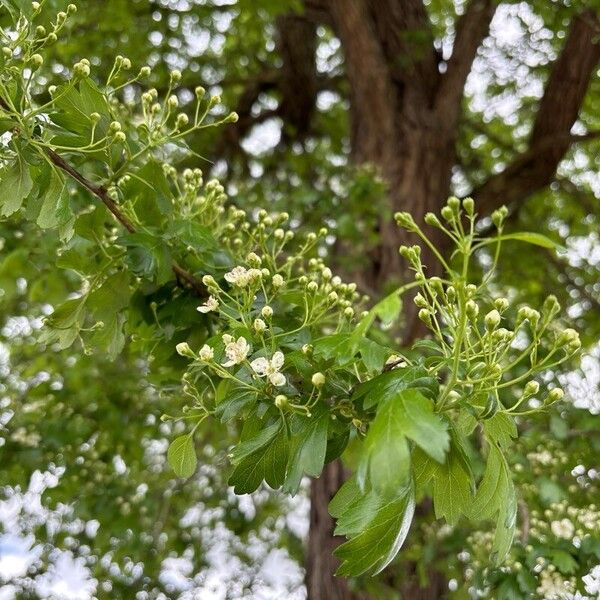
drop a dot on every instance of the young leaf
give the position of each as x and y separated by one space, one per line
182 456
379 542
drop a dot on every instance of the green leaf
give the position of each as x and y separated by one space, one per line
388 310
379 541
358 513
107 304
386 455
501 428
235 400
250 446
391 382
15 185
148 256
268 462
55 209
494 487
537 239
373 354
563 561
496 494
452 488
307 454
182 456
421 424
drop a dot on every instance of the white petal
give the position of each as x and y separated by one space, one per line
204 309
277 360
260 366
277 379
229 363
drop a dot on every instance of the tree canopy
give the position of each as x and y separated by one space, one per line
255 254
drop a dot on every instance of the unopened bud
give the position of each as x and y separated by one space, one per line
492 320
532 387
318 379
183 349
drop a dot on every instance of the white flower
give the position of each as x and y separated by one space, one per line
211 304
206 353
277 280
563 529
236 351
592 581
270 368
238 276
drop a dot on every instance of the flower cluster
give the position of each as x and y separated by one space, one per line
488 346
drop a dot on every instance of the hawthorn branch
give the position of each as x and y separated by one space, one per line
558 110
100 192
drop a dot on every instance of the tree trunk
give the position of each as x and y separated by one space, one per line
321 583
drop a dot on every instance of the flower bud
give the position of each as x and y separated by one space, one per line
120 137
318 379
432 220
532 387
277 281
348 312
307 349
312 286
501 304
454 204
253 259
266 312
175 76
499 215
492 320
332 297
425 316
259 325
471 310
550 307
145 71
555 395
183 349
420 301
36 61
81 70
199 91
208 280
404 219
181 121
436 284
281 401
469 206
